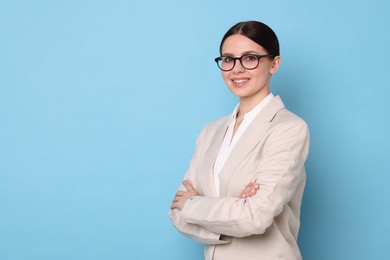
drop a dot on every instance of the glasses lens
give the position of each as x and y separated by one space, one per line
249 61
226 63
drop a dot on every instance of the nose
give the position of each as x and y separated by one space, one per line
238 68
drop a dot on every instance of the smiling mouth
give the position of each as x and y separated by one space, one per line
240 81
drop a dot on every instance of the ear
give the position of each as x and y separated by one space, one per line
275 65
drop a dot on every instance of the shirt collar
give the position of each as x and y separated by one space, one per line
255 110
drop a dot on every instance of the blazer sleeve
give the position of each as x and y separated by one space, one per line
192 230
279 175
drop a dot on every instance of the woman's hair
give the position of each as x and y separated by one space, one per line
258 32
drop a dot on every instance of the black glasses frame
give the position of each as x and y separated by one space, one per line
240 59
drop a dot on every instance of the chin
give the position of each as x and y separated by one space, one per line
240 92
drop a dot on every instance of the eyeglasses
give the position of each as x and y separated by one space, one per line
248 61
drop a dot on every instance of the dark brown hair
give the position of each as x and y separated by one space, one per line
258 32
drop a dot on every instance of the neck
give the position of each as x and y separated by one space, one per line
248 103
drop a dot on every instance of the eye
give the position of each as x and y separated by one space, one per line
227 59
250 58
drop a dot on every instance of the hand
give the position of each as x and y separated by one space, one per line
250 190
182 196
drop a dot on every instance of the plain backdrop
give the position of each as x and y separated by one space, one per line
101 103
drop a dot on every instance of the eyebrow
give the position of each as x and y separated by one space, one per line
244 53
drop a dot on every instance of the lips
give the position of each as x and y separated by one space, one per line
239 82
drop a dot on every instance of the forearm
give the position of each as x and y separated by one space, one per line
243 217
194 231
228 216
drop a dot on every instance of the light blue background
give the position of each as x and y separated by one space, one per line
101 103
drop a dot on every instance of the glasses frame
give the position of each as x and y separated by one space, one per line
239 58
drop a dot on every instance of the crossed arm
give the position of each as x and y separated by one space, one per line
204 219
182 196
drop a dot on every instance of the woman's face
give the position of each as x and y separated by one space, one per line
250 85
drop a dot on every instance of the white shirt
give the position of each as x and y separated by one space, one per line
229 142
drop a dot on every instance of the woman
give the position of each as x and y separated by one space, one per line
242 193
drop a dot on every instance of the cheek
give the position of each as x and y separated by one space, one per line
225 76
260 74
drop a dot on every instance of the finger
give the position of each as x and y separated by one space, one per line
252 186
248 193
180 193
252 192
174 205
177 204
175 199
189 186
243 196
247 189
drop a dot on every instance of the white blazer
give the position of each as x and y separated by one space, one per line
272 152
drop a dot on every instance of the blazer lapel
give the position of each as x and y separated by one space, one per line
252 136
212 152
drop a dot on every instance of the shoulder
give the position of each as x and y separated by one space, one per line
210 130
278 114
287 125
286 116
213 125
